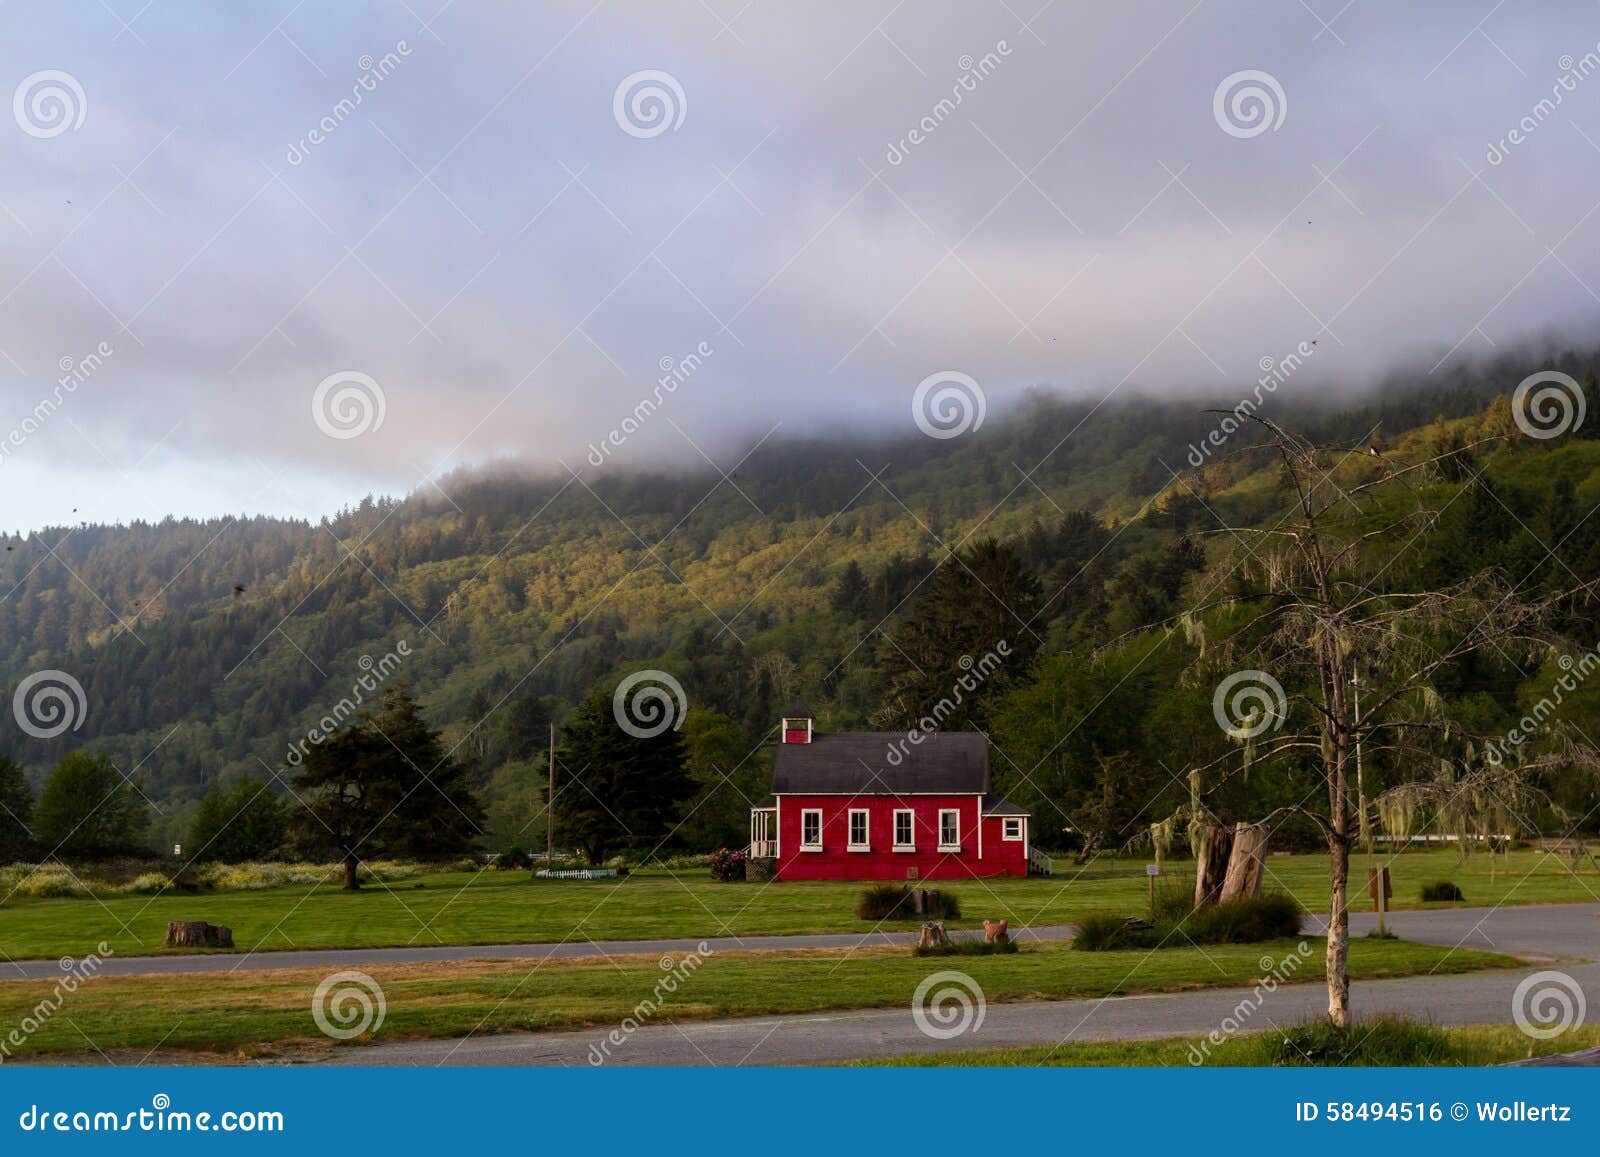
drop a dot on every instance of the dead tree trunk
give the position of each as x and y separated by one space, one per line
352 881
1211 865
1246 862
198 934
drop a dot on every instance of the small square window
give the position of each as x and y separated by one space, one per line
905 839
858 830
811 829
1012 829
949 830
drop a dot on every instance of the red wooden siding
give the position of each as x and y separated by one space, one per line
882 862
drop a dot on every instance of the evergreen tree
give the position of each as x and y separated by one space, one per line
982 601
850 592
245 821
615 790
16 811
385 785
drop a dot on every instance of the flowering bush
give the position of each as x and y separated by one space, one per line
727 865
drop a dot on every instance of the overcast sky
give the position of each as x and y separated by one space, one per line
497 248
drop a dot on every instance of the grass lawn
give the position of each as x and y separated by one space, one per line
1474 1045
503 907
246 1012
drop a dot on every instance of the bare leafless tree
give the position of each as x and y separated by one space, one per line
1314 602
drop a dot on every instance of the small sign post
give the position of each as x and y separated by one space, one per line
1379 888
1151 871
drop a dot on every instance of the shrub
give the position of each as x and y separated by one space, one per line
513 860
1001 946
1441 891
1245 920
727 865
893 902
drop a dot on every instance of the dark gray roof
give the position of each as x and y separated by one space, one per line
993 805
858 763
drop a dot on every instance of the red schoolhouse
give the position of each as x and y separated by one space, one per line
874 805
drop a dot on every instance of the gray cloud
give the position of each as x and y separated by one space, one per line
481 238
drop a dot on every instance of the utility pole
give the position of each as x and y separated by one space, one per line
550 808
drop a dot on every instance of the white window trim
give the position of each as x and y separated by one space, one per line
895 830
1005 829
949 811
850 830
810 811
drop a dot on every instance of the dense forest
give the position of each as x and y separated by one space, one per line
208 650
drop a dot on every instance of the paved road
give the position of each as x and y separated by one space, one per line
333 958
1565 930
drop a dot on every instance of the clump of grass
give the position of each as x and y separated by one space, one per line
1377 1041
1001 945
893 902
1441 892
1245 920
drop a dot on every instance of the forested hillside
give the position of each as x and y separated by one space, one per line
207 649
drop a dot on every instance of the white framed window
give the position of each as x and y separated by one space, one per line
949 829
811 829
905 838
1011 829
858 830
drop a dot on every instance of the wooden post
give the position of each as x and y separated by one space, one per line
1211 865
550 807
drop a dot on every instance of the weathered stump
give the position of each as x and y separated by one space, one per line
198 934
1211 865
933 935
1247 862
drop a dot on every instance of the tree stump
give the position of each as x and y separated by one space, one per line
1211 865
1246 863
198 934
933 935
